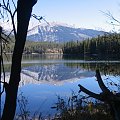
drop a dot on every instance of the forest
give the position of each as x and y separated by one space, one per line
36 47
102 46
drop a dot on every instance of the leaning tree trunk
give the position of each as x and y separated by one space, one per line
24 9
113 100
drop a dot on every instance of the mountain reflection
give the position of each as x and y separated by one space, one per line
53 74
53 69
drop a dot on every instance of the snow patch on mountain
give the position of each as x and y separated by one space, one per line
60 33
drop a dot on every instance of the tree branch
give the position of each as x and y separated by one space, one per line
14 4
100 82
94 95
109 15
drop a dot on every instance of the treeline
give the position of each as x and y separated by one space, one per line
106 45
42 47
37 47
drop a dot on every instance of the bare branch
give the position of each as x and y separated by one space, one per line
14 12
4 3
14 29
5 6
1 14
100 82
8 2
111 23
4 40
109 15
8 9
14 4
39 18
8 36
94 95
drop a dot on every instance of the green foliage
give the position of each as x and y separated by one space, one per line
36 47
106 45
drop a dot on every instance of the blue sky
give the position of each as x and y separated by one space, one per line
80 13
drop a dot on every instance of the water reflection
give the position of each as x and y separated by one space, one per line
52 69
55 74
45 76
105 66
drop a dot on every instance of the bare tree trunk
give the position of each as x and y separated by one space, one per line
0 65
113 100
24 9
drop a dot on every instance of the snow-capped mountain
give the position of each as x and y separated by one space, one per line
60 33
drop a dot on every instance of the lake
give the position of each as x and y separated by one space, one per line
45 77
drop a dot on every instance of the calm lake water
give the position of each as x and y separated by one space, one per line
44 77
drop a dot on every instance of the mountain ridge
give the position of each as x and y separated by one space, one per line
61 33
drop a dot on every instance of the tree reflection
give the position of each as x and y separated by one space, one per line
106 68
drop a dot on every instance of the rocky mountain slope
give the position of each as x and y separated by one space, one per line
60 33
